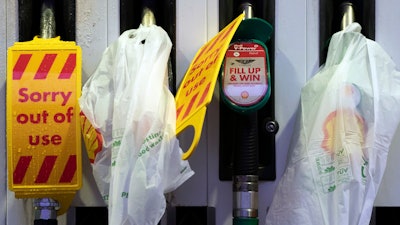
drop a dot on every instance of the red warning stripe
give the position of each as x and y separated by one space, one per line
179 110
46 169
68 68
192 101
20 66
189 108
45 66
21 168
69 170
204 95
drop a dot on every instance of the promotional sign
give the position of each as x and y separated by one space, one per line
197 87
245 77
43 132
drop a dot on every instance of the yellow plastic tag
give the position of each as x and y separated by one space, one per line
197 87
43 131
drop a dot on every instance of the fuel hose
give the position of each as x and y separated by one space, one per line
245 171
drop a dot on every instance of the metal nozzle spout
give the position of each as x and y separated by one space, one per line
47 22
348 15
148 18
248 10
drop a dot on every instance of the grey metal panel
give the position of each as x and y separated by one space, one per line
387 35
191 35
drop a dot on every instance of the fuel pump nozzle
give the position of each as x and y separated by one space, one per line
46 208
245 88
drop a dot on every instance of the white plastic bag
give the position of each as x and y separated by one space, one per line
127 99
349 112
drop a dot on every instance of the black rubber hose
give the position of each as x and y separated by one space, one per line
246 150
45 222
66 18
28 19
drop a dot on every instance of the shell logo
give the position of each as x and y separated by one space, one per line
345 122
245 94
91 137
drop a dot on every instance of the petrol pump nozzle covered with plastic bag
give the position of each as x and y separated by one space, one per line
128 102
349 112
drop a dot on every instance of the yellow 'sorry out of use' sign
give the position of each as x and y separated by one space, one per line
43 132
197 87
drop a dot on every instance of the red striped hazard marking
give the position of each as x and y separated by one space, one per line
45 66
22 167
69 67
46 169
191 103
46 63
69 170
20 66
